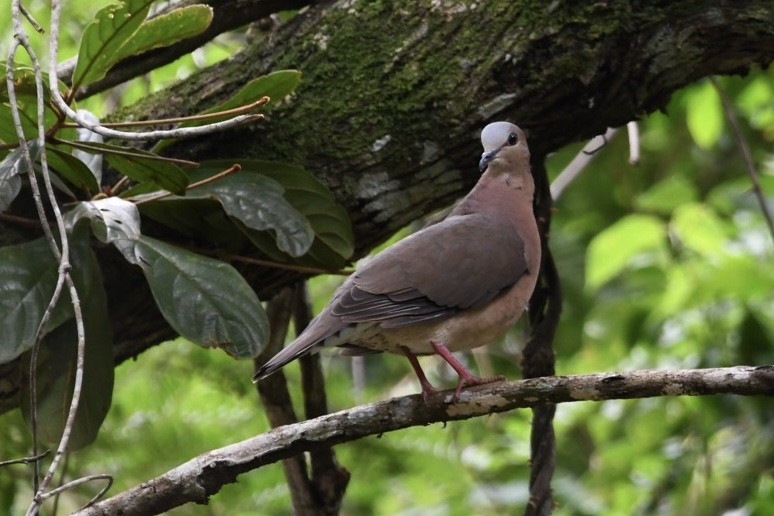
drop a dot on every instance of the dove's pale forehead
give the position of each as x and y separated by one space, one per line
496 134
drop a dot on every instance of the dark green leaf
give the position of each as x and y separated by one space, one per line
10 182
28 274
57 363
258 202
203 299
144 166
26 102
334 240
72 169
200 218
102 40
276 85
26 105
167 29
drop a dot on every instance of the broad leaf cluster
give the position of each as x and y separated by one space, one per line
272 210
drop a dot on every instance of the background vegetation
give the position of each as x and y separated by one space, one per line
666 264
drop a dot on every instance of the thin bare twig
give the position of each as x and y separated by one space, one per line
579 163
142 199
20 221
241 110
25 460
61 253
83 480
33 22
231 257
21 39
752 170
64 273
128 153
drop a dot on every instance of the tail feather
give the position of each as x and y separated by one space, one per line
281 359
313 336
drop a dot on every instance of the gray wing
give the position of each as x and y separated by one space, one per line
462 262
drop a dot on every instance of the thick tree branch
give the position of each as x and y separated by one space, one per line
201 477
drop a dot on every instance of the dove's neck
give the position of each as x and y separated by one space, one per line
499 190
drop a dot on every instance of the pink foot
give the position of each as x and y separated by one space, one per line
467 379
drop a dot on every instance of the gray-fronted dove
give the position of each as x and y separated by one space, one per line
452 286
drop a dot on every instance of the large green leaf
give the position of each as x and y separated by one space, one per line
144 167
10 183
668 194
203 299
200 218
102 40
276 85
704 114
26 102
147 168
168 28
259 203
57 363
28 274
699 228
26 105
611 251
72 169
334 240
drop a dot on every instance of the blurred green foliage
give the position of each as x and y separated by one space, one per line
666 264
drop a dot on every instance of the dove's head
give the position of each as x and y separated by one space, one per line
505 147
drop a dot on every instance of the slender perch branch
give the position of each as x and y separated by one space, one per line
201 477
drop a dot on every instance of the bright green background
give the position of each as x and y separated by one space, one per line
664 265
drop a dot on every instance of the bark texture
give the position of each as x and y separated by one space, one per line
395 93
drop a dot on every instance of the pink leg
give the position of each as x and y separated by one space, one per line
427 387
467 379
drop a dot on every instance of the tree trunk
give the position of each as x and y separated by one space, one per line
394 95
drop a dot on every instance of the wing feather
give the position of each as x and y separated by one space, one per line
435 273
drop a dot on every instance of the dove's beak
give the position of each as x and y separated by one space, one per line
486 158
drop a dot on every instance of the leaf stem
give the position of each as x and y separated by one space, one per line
241 110
236 167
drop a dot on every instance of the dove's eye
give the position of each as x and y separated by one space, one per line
513 138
